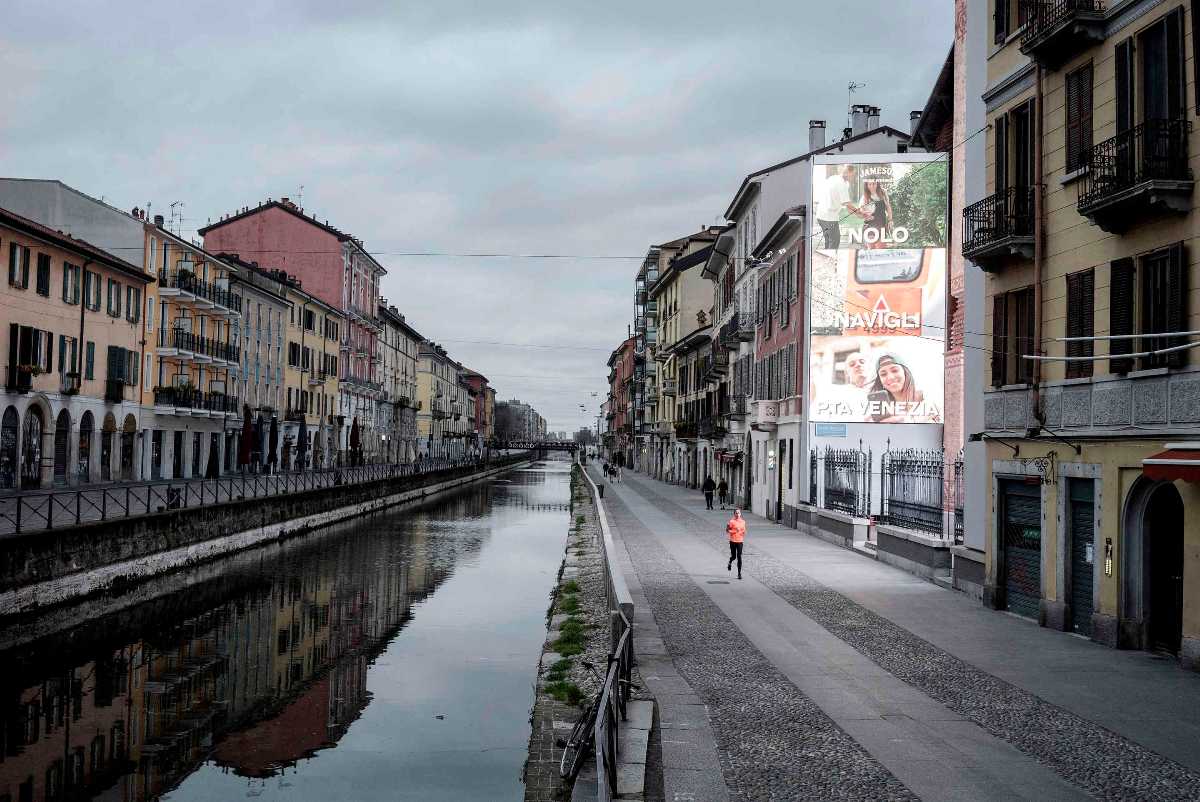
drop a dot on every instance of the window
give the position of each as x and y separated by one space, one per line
43 274
1148 295
91 290
89 365
70 288
133 304
123 365
293 355
310 319
1079 116
150 311
68 355
1012 337
18 266
1081 303
114 298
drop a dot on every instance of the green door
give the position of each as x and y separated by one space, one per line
1022 542
1083 553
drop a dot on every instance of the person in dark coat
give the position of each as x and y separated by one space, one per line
708 487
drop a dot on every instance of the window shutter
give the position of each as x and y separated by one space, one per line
62 353
1001 153
1176 80
1195 7
48 364
1123 65
14 340
999 339
1120 310
1079 116
1080 320
1177 293
90 355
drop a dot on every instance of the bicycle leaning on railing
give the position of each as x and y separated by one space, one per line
575 748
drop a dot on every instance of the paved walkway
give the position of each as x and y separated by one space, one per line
826 675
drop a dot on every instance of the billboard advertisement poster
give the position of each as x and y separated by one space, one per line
877 300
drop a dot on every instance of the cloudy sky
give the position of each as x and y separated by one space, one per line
583 129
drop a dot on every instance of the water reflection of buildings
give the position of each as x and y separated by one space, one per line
267 677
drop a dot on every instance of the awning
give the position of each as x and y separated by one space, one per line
1179 461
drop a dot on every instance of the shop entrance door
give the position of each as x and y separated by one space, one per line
1083 553
1021 533
1164 535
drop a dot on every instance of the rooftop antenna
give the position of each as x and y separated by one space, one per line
850 87
179 212
300 197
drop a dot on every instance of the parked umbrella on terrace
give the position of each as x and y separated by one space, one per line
302 446
247 436
355 442
273 442
257 446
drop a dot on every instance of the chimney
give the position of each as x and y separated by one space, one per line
914 117
158 220
858 119
816 135
873 118
846 133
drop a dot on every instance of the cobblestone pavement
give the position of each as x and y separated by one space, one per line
775 743
1092 757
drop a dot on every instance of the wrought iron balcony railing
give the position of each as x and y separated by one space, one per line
999 225
189 282
1055 30
194 343
1145 166
190 398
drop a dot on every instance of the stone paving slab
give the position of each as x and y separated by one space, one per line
993 723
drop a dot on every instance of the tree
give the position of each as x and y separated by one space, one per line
919 204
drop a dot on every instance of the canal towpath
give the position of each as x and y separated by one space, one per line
824 674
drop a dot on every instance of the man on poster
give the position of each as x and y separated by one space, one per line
835 205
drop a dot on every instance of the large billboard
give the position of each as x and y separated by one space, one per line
877 289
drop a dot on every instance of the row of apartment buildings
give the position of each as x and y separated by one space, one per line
136 353
1071 314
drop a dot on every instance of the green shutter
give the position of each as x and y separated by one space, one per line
1120 310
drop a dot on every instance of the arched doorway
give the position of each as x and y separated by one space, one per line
127 433
31 448
83 464
1152 580
62 446
107 435
1163 528
8 448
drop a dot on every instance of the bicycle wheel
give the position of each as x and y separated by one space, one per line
577 745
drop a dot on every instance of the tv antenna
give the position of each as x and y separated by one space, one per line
850 87
177 213
300 197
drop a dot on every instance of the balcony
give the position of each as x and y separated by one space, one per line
363 384
999 226
640 297
728 333
1058 30
69 383
745 328
1144 169
736 407
639 323
716 365
114 390
317 377
187 346
187 287
193 401
294 415
685 430
20 378
711 428
669 387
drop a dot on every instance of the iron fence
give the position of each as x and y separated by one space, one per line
1008 213
913 489
959 492
23 513
1040 16
613 704
812 477
848 480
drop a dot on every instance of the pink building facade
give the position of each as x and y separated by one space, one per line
334 267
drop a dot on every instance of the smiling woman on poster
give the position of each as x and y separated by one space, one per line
894 396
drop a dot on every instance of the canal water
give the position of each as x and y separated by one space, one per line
390 658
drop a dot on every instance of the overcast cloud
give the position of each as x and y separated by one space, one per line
500 127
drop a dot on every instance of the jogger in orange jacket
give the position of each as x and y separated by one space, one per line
736 529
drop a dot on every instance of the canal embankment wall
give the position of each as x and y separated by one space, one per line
44 569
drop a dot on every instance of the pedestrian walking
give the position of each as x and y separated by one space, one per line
736 529
723 492
708 487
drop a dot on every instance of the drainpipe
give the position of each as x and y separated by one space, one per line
1039 251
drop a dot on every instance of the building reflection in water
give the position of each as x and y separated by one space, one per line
254 679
